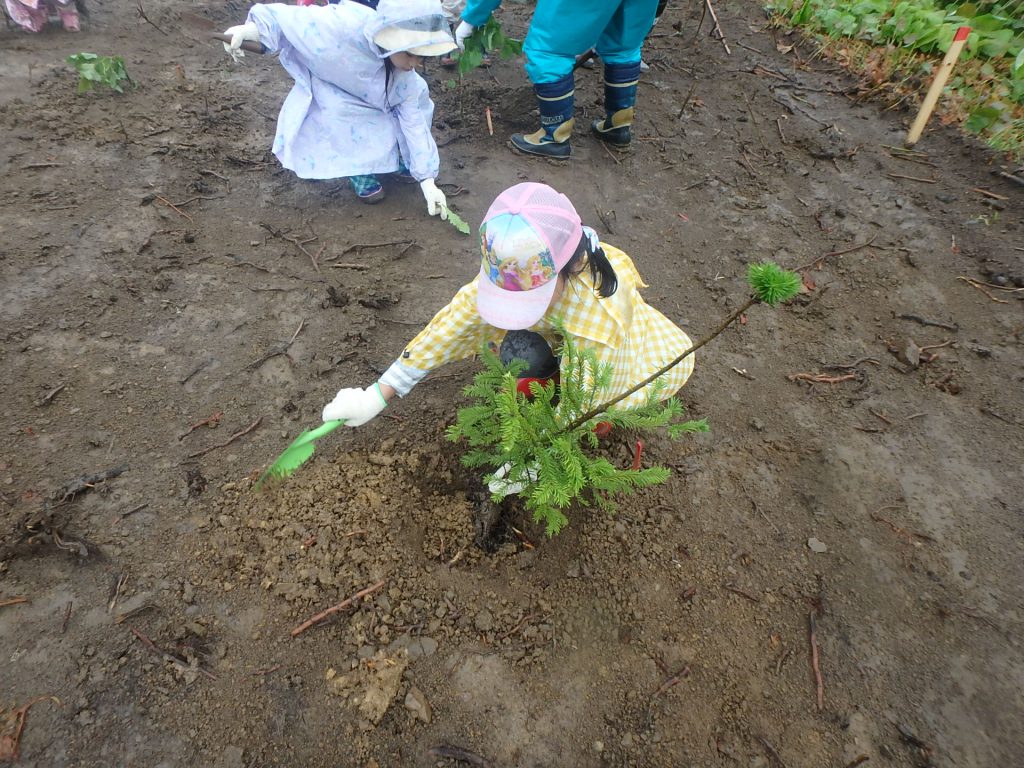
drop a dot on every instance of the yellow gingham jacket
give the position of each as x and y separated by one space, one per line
622 330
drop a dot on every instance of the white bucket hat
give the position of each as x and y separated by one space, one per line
425 36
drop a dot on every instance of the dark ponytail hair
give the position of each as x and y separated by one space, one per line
601 271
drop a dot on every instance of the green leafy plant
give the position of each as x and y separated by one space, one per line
457 221
93 69
485 40
545 443
988 88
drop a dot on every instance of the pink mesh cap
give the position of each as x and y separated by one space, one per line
529 233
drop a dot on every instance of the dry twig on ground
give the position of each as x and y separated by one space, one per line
336 608
10 742
229 441
815 666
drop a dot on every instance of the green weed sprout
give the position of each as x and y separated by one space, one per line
547 442
486 39
93 69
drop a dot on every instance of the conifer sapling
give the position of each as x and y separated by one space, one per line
543 445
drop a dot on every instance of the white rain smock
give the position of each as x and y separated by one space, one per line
346 116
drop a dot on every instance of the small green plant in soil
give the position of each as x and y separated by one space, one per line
546 443
487 39
103 70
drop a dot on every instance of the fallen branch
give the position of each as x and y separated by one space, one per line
517 627
175 660
1002 418
123 617
229 441
209 420
133 510
300 244
336 608
736 590
837 253
87 482
911 178
880 416
813 638
51 394
909 535
281 349
771 751
851 366
359 247
821 378
174 208
602 215
10 743
1010 177
674 680
911 738
146 18
988 194
611 155
977 285
717 28
195 370
934 323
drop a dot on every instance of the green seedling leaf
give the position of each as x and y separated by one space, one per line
772 284
487 39
456 221
94 69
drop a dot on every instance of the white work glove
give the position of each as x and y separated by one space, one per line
503 485
436 201
239 34
463 31
355 406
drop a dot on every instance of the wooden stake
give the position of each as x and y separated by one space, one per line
941 76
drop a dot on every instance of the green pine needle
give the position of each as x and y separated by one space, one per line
772 284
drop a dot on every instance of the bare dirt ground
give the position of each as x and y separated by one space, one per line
149 267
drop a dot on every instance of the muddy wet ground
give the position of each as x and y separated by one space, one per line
151 279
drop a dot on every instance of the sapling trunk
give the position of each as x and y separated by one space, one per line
598 410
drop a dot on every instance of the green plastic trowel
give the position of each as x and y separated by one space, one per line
296 454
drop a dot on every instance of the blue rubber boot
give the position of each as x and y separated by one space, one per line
556 101
620 84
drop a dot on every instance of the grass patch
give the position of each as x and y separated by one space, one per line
895 46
